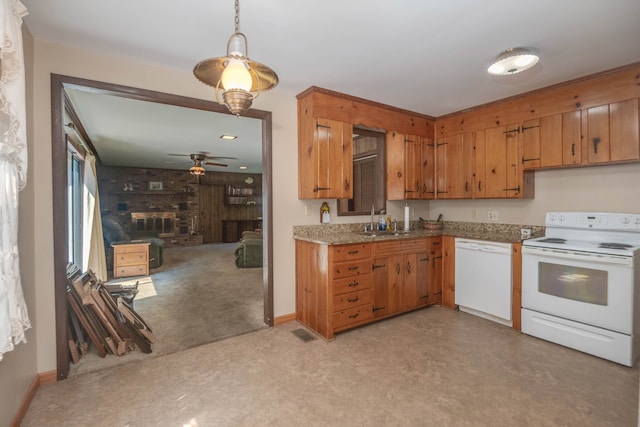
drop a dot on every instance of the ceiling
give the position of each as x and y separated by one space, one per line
425 56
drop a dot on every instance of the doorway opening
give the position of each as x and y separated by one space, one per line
60 179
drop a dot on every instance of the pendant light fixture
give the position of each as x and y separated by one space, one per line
239 78
513 61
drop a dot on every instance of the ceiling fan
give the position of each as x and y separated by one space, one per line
202 158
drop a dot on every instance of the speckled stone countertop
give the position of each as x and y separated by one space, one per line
339 234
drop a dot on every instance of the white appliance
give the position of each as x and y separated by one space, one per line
483 280
579 284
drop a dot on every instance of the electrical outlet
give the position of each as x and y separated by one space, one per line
492 215
474 214
307 210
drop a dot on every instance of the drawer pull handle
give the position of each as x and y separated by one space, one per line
354 268
424 296
353 252
353 284
353 316
409 268
379 266
353 299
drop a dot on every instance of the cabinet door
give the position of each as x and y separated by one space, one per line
423 263
412 162
453 175
387 285
428 168
395 166
571 138
500 172
480 164
531 144
495 157
551 141
612 132
624 136
434 273
448 271
325 159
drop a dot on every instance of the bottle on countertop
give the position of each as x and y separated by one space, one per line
382 221
325 214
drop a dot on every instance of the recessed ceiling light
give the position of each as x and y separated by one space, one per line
242 167
230 137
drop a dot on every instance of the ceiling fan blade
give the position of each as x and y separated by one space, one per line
214 164
185 155
220 157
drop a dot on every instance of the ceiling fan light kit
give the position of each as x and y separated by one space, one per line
239 78
513 61
197 170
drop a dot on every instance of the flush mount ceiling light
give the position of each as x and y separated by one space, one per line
513 61
229 137
239 79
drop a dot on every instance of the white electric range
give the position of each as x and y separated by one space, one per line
580 283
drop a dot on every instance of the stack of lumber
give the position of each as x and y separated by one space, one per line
103 315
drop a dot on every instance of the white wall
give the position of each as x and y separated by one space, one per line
602 189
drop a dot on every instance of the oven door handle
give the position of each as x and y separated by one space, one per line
558 254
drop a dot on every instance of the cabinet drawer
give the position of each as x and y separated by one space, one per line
401 246
349 269
355 251
131 270
435 246
125 249
131 258
352 316
353 299
351 284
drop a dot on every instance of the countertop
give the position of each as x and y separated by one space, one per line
349 233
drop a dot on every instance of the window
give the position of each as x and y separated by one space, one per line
74 208
368 173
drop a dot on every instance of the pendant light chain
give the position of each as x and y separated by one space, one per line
237 16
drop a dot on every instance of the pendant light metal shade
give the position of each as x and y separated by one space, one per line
513 61
236 79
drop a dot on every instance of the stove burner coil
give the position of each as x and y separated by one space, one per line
553 240
608 245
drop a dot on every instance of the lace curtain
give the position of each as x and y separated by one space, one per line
14 319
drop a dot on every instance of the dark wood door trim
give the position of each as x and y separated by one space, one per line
58 147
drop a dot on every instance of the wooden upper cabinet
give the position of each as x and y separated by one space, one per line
413 166
612 132
325 160
395 178
404 166
454 167
428 168
498 174
542 142
572 138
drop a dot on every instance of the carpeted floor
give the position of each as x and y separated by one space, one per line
196 297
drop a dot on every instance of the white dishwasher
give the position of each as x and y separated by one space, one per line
483 281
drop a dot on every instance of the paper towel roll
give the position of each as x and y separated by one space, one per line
406 217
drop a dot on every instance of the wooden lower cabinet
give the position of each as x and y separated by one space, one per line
339 287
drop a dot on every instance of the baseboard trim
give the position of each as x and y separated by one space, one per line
40 379
286 318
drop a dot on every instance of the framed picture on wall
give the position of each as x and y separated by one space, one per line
155 185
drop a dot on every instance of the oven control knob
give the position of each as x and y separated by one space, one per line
562 218
626 220
637 221
552 217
